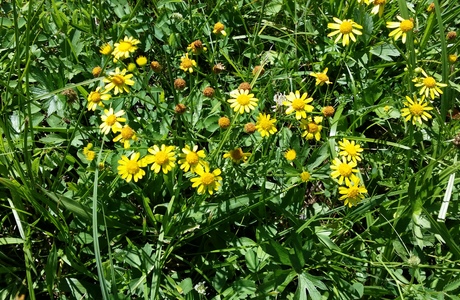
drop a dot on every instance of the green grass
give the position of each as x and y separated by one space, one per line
73 228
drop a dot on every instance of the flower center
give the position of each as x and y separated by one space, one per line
353 192
345 170
379 2
132 167
95 97
323 77
118 80
429 82
350 149
124 46
192 158
236 154
298 104
312 127
243 99
345 27
406 25
265 124
305 176
187 63
111 120
416 109
127 133
207 179
161 158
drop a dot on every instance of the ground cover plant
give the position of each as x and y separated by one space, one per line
229 149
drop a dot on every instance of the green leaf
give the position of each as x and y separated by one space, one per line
51 269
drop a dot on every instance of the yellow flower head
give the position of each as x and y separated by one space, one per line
298 104
429 86
242 101
207 181
346 29
402 28
290 154
237 155
265 126
105 49
350 150
191 159
353 193
130 168
187 64
95 98
365 1
321 78
305 176
118 81
379 6
125 47
312 127
111 121
197 47
452 58
343 170
88 153
162 158
141 61
126 135
416 110
219 29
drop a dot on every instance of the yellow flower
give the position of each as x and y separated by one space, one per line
429 86
141 61
346 29
350 150
312 127
298 104
125 47
305 176
343 170
190 158
416 110
365 1
321 78
187 64
402 28
265 126
196 47
105 49
126 134
242 101
452 58
352 194
95 98
219 29
207 181
118 81
379 6
130 168
88 153
112 121
162 158
131 67
290 155
237 155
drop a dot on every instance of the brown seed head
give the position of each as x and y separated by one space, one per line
208 92
219 68
328 111
456 140
155 66
179 84
257 69
71 95
451 35
180 108
245 86
250 128
224 122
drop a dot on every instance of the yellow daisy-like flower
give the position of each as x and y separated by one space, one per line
112 121
125 47
237 155
141 61
290 154
312 127
402 28
95 98
416 110
88 153
321 78
191 158
379 6
343 170
130 168
118 81
265 126
305 176
350 150
105 49
298 104
126 135
346 29
187 64
353 193
162 158
242 101
207 181
429 86
219 29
